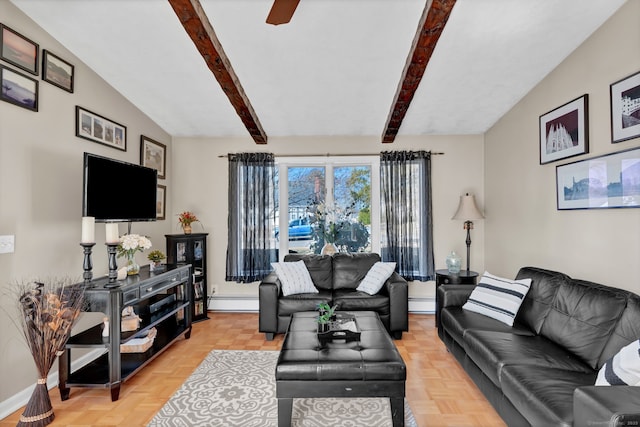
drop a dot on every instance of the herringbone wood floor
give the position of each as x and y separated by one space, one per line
438 390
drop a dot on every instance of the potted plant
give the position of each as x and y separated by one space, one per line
156 258
326 314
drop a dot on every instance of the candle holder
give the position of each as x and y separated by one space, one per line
113 265
87 265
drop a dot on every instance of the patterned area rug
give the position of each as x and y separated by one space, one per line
237 388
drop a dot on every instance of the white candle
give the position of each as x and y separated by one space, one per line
88 229
112 232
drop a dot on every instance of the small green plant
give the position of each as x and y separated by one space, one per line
156 256
326 312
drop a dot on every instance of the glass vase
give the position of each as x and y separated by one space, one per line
454 263
132 266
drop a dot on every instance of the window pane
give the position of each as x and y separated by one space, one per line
306 187
352 201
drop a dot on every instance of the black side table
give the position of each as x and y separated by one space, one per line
443 277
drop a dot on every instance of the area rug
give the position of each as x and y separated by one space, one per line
238 388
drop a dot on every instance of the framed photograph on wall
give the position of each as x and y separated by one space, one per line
18 50
161 201
608 181
153 154
57 71
99 129
564 132
18 89
625 108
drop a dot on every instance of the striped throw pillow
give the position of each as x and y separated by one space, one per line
376 276
623 368
295 278
497 297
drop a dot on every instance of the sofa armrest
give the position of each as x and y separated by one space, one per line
453 295
269 290
606 406
397 288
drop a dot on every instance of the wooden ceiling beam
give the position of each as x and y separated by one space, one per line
432 22
196 23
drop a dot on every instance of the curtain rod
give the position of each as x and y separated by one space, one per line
435 153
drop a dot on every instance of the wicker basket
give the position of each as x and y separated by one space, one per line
139 344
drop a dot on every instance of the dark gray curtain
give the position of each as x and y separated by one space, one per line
252 197
406 214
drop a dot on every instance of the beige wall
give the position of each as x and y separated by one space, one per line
523 226
41 189
201 186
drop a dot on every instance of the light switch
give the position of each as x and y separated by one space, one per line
7 244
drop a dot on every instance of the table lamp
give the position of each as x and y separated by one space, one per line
468 210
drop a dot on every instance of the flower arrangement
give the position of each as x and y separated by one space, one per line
132 243
186 218
156 256
326 312
47 314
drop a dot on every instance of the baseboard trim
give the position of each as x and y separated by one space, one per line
20 399
251 304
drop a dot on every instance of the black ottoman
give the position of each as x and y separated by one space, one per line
370 367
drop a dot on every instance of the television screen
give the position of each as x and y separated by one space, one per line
116 191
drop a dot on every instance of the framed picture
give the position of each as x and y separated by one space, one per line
18 50
57 71
625 108
19 89
608 181
564 132
153 154
161 201
99 129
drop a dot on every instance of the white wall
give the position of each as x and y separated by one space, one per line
523 226
201 186
41 189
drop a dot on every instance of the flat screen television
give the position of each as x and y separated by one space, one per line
117 191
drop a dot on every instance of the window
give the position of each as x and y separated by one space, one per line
328 200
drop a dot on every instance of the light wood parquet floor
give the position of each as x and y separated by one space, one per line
438 390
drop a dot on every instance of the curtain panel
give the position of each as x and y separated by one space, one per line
406 213
252 246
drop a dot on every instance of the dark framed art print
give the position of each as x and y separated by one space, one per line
625 108
18 89
18 50
57 71
99 129
564 131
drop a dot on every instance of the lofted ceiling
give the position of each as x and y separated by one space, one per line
335 69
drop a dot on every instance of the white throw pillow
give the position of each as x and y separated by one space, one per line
376 276
623 368
295 278
497 297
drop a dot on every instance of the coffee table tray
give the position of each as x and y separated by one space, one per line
344 328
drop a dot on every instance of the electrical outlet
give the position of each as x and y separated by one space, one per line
7 244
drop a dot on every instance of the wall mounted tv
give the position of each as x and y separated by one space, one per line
116 191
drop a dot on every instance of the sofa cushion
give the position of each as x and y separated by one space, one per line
542 292
294 277
350 268
627 329
582 317
376 276
360 301
623 368
320 268
543 395
302 302
492 351
497 297
457 321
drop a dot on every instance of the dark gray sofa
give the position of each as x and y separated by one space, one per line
542 371
336 277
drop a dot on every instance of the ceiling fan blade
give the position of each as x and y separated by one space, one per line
282 11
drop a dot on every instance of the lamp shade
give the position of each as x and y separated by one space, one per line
467 209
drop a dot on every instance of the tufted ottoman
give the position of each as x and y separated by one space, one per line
370 367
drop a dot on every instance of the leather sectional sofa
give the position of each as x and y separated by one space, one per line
542 371
336 278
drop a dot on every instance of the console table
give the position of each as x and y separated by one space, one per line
161 299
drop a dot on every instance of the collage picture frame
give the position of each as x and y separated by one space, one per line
96 128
